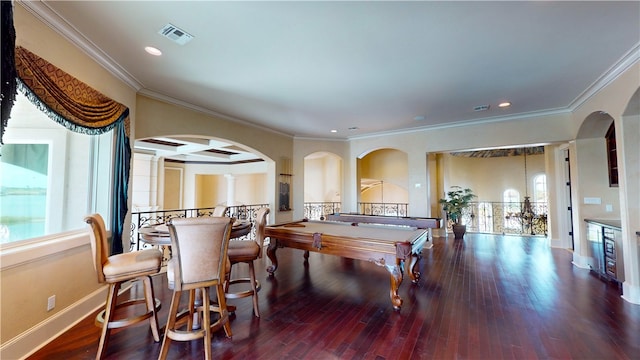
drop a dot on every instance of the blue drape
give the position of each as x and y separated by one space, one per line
122 160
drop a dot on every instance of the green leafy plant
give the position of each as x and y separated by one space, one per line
457 199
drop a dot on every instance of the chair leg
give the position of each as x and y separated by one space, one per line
252 275
227 279
171 324
206 323
193 321
151 306
109 309
222 306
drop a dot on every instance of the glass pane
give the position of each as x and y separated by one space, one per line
23 191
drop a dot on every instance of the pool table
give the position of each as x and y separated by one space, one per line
385 245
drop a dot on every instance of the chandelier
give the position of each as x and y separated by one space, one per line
526 213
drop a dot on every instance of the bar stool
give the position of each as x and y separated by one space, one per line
116 269
199 261
219 210
246 252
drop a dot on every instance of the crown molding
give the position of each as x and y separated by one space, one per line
457 124
49 17
626 61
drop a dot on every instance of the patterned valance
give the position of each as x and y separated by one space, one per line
65 99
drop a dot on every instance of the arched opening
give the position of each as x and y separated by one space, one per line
322 184
188 176
383 177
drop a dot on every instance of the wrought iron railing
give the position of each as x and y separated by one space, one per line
516 218
148 218
386 209
320 210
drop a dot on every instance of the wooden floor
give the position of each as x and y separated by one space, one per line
486 297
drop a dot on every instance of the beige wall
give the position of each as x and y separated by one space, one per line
211 190
250 189
490 177
26 288
173 185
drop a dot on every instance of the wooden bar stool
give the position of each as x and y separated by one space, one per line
246 252
199 261
116 269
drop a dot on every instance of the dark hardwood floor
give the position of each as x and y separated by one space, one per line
486 297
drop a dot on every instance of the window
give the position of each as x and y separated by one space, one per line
511 203
612 156
539 188
50 175
485 214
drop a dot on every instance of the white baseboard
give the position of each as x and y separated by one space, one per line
583 262
631 293
30 341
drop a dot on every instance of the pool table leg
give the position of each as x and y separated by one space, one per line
271 253
396 279
410 267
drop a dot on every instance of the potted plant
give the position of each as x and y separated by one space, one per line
457 199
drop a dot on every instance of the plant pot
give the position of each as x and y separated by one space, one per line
458 231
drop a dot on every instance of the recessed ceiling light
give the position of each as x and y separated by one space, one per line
504 104
153 51
334 131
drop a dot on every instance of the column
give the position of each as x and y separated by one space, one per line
231 189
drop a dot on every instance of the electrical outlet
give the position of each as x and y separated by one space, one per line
51 302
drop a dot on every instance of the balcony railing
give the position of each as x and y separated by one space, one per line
515 218
320 210
149 218
386 209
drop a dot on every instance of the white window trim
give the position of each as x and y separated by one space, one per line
25 251
57 168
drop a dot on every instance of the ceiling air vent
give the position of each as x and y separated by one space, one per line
481 108
175 34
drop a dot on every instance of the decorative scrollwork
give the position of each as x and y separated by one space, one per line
151 218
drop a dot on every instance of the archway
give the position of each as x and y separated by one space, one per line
383 178
323 180
200 171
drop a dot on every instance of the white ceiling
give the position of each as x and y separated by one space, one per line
305 68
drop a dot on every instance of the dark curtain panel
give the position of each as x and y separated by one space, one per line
80 108
8 75
121 184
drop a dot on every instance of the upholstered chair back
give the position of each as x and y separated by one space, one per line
261 222
99 243
199 249
219 210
